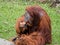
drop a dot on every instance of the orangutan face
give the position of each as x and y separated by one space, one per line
27 21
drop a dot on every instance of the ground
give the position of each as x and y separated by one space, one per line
10 11
5 42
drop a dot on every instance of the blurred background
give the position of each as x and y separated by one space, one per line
10 10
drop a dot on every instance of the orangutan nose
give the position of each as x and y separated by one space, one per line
22 24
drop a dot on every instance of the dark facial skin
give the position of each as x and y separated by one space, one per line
28 19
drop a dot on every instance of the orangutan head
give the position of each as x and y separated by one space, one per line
24 23
26 20
30 18
33 15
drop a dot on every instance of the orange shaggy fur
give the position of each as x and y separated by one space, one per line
41 23
33 39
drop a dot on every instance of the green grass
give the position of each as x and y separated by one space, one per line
10 11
